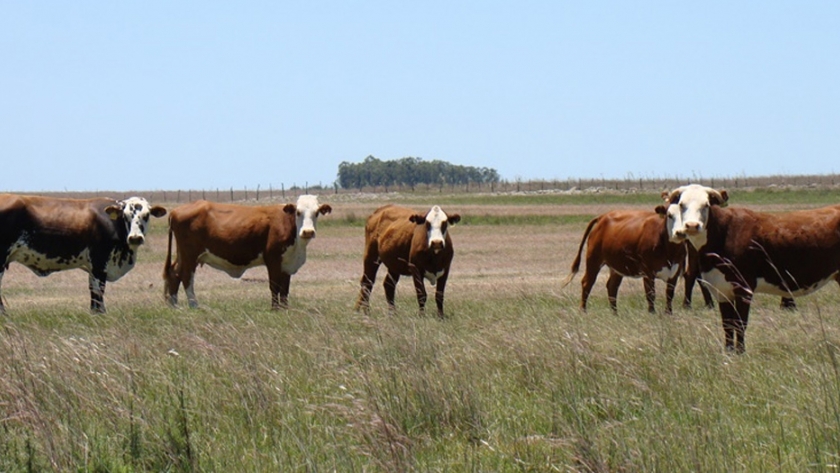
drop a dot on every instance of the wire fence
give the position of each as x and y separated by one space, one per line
627 185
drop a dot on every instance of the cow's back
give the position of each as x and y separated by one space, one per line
388 234
58 223
634 242
794 250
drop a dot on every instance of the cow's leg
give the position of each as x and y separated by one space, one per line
96 284
613 283
670 289
708 300
368 278
588 281
788 303
420 289
189 288
279 283
441 286
185 268
650 293
171 283
390 286
2 272
735 316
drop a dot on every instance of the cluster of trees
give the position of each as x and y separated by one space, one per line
410 172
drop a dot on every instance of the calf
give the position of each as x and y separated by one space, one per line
98 236
407 243
742 252
234 238
633 243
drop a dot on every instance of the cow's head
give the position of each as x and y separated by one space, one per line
688 212
307 211
135 213
437 224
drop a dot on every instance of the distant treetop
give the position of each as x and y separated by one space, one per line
410 172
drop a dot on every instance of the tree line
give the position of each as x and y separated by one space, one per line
410 172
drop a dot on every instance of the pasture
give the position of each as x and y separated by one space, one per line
515 379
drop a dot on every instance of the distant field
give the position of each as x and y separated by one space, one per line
516 379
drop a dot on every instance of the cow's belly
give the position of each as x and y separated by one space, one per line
665 273
43 265
233 270
725 290
768 288
721 289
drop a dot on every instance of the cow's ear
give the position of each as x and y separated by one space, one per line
113 211
417 218
661 210
674 197
324 209
290 209
666 196
158 211
720 198
454 218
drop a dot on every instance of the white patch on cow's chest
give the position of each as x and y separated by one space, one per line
42 265
722 289
119 264
763 286
668 272
433 277
233 270
294 257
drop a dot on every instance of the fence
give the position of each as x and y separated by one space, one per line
282 194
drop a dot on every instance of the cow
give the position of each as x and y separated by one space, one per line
100 236
411 244
633 243
742 252
233 238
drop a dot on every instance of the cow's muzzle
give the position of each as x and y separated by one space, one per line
436 246
136 240
307 234
693 228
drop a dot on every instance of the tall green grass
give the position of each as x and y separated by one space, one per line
510 382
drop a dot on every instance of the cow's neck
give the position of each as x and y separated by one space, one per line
295 255
122 257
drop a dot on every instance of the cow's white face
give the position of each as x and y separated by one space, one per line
307 211
688 212
437 225
135 213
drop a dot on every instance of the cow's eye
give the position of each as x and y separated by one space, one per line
683 206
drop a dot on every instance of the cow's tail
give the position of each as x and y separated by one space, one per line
576 262
168 270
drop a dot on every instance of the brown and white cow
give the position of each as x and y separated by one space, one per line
234 238
633 243
411 244
98 236
743 252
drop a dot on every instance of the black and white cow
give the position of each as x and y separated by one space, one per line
99 236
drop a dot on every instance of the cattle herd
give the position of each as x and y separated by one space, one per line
732 252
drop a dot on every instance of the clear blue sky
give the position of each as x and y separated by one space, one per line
159 95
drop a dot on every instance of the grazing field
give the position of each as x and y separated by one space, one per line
515 379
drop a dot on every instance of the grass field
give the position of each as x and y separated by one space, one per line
515 379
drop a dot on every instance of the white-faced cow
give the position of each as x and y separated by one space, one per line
743 252
633 243
411 244
99 236
234 238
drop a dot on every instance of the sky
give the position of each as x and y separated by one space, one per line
166 95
